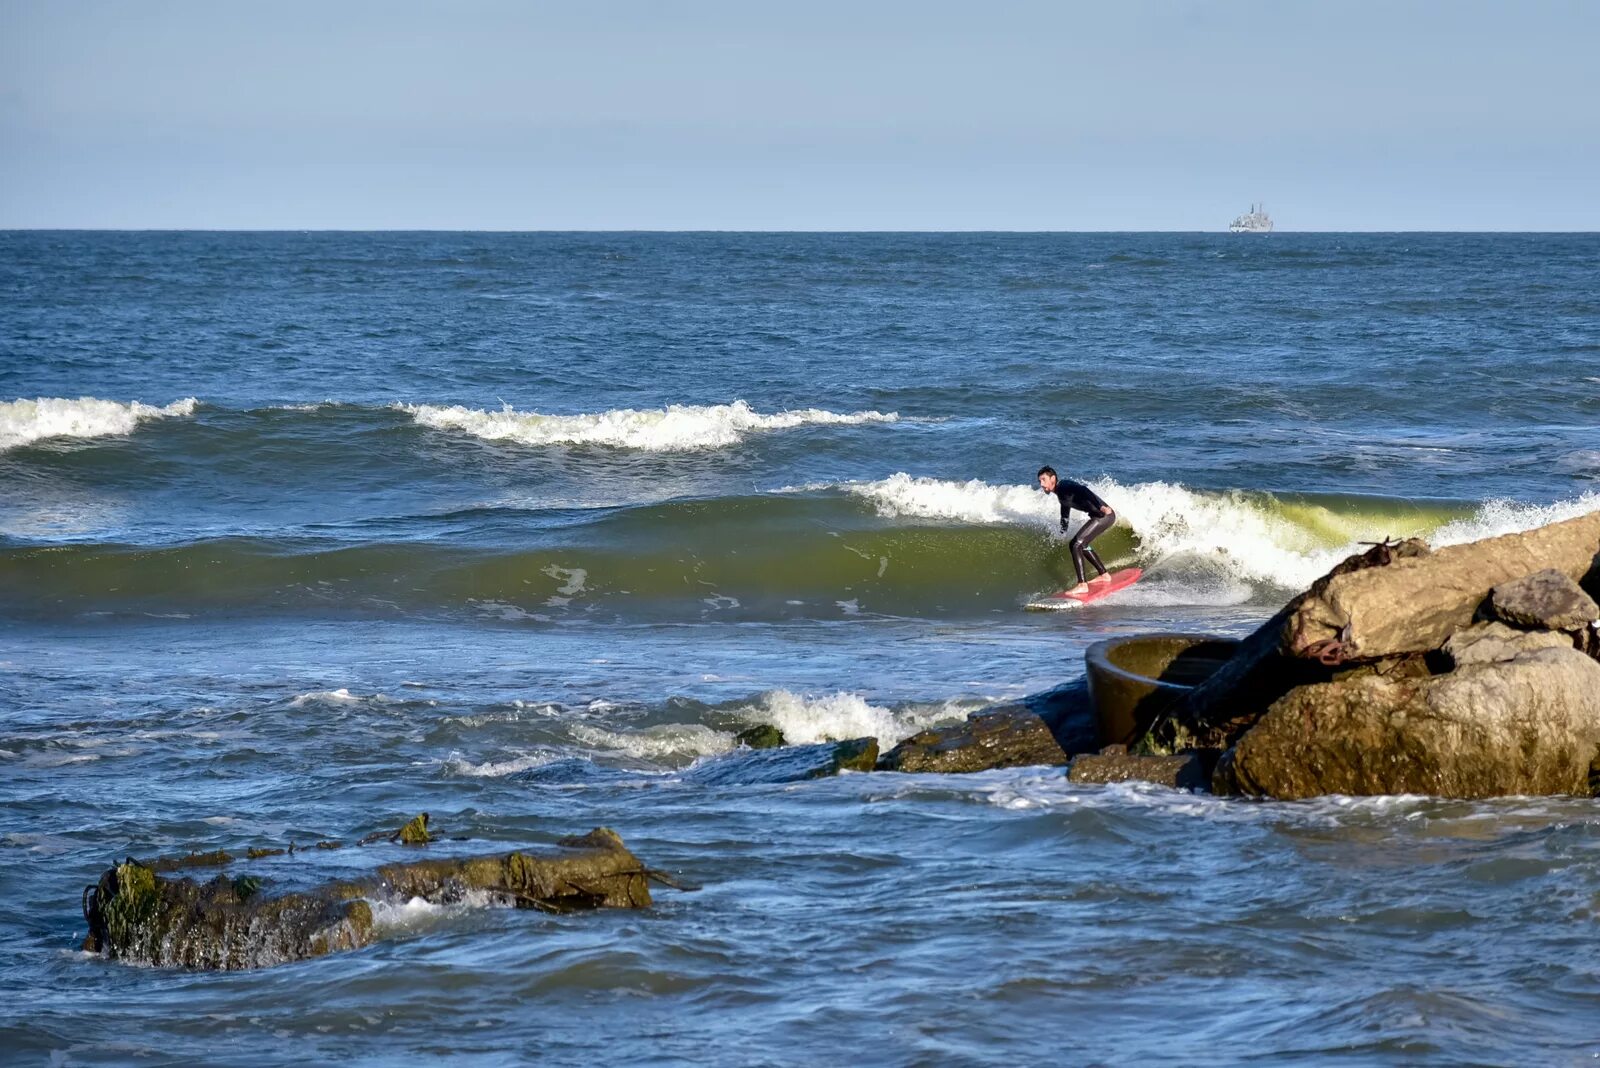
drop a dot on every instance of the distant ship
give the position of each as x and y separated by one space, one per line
1254 221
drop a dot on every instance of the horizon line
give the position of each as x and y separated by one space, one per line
691 230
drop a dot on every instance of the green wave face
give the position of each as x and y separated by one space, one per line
772 556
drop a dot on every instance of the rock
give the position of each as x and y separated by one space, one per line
1049 727
1527 725
1393 601
1068 710
1488 643
1233 697
139 916
217 859
1413 603
1005 739
1186 771
415 832
793 763
1217 711
761 736
1546 599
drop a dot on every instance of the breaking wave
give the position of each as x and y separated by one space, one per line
1225 543
805 718
902 546
26 421
676 428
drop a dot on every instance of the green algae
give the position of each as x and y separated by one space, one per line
415 832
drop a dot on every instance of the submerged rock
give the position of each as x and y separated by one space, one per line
137 915
793 763
1546 599
1185 771
1525 725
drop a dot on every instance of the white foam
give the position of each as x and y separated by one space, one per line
341 696
1497 517
417 915
975 501
676 428
1203 547
495 769
24 421
1233 542
572 579
506 611
805 719
667 742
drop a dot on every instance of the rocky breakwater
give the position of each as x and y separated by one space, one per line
140 915
1467 672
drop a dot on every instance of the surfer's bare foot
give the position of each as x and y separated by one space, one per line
1099 579
1079 590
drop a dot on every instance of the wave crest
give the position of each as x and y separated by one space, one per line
676 428
805 719
24 421
1221 544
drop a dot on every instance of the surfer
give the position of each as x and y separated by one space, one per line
1101 519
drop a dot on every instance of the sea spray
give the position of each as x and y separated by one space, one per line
805 718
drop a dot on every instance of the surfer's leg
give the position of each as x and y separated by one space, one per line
1079 545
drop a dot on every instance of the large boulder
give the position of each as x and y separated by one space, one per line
1414 602
1390 604
1546 599
1525 725
791 763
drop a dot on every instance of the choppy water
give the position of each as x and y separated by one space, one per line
303 534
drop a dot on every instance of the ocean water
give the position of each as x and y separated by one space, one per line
301 534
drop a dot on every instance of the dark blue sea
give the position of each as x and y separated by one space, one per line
303 534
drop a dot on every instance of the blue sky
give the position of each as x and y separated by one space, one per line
857 116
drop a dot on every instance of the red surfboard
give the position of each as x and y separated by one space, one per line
1120 580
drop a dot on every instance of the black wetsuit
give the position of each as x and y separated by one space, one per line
1101 519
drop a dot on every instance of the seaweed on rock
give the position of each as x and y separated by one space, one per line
137 915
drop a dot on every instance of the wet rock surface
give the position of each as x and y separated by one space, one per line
1186 771
1005 739
1046 728
137 915
793 763
1527 725
761 736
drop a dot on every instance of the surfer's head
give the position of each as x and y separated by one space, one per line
1047 479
